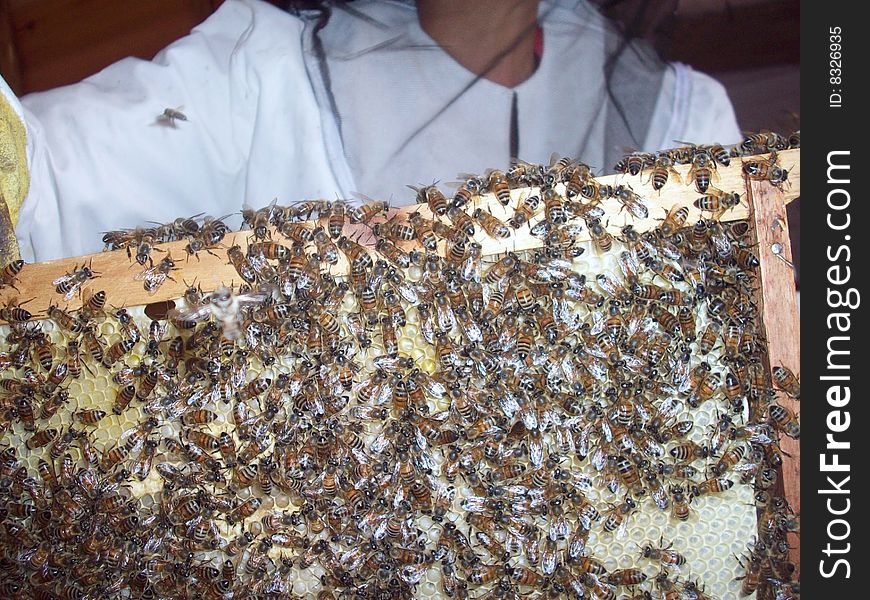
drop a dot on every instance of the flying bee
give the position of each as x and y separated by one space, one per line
170 116
226 307
71 283
153 277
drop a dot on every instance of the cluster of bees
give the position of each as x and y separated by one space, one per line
705 159
537 409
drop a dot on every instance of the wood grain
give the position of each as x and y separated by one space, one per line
117 272
778 301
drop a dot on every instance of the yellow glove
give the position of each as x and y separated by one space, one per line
14 177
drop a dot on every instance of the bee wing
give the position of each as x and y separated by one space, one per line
63 279
638 209
599 321
154 281
622 530
660 497
144 274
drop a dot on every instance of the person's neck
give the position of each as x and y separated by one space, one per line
491 38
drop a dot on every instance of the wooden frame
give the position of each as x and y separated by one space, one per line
210 271
764 205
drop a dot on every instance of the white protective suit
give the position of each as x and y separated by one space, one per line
273 112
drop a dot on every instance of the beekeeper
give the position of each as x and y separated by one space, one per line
258 103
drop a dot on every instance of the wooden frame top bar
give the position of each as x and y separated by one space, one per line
117 272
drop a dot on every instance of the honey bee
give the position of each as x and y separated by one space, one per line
703 170
432 196
66 321
711 486
142 466
525 211
241 263
170 117
615 519
90 416
635 162
226 307
679 507
115 351
689 451
372 208
766 170
663 554
708 338
786 380
554 209
717 202
393 253
9 273
674 220
493 226
625 577
71 283
41 438
662 167
784 419
154 276
602 239
704 385
258 219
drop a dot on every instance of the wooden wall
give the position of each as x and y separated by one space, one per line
47 43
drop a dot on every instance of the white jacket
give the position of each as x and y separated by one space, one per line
260 125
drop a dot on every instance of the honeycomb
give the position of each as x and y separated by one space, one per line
382 467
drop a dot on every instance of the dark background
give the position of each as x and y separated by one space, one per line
751 46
